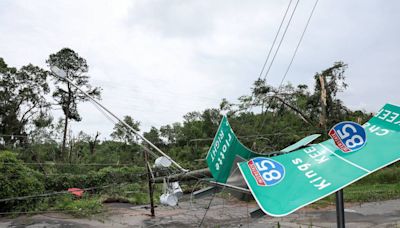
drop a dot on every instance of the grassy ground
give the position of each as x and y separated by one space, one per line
362 194
381 185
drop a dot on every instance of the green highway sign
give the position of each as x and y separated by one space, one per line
285 183
223 151
226 146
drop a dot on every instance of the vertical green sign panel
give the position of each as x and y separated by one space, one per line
317 171
223 151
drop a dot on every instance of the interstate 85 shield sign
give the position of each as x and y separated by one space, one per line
348 136
265 171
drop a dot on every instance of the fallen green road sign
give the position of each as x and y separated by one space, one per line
223 151
285 183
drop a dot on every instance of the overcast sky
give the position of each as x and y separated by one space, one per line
158 60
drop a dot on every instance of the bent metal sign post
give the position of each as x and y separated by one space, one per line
285 183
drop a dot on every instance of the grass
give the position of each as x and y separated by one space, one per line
68 204
370 193
363 193
381 185
91 204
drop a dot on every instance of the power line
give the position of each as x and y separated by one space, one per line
55 193
298 45
294 54
40 212
251 136
67 164
276 36
16 136
128 131
125 130
280 42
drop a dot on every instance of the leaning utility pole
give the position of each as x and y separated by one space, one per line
62 74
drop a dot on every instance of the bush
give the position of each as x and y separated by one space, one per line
17 180
105 176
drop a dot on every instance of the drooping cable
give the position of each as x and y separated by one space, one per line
273 42
126 131
298 45
281 40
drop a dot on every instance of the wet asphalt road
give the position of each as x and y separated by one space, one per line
222 213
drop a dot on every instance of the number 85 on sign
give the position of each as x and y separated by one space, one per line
348 136
265 171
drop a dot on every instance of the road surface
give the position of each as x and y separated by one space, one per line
222 213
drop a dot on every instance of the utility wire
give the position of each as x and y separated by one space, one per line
281 40
212 198
123 129
250 136
40 212
276 36
298 45
67 164
55 193
294 54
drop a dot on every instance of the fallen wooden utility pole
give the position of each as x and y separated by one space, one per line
192 175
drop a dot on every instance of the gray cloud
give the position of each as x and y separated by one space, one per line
157 60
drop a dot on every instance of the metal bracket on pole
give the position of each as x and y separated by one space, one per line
58 72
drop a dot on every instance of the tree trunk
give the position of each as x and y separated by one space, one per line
92 144
322 119
63 153
64 138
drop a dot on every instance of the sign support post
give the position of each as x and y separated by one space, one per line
340 209
150 178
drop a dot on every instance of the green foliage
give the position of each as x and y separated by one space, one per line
116 152
66 95
267 119
18 180
153 136
22 101
83 207
122 134
105 176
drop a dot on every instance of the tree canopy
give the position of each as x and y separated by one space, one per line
23 102
65 94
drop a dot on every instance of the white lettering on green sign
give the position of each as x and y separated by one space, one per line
388 116
320 182
379 131
318 156
220 146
